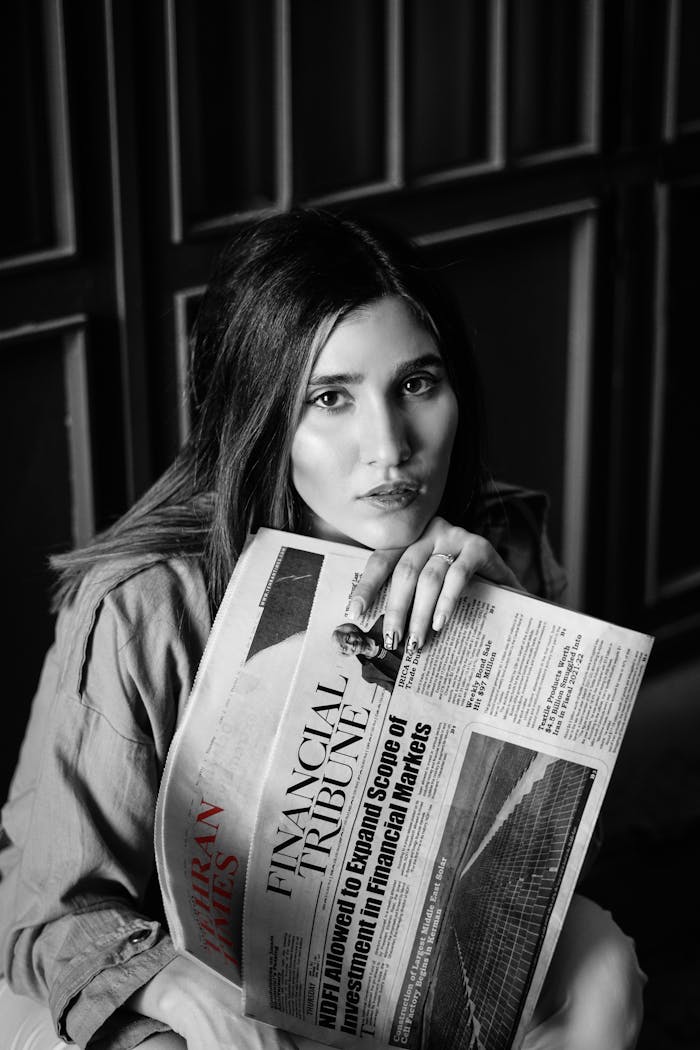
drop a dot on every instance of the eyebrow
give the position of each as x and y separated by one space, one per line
405 368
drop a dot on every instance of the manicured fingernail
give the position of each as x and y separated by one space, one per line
438 621
389 640
356 607
411 644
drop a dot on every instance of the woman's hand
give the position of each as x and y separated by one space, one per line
204 1009
427 580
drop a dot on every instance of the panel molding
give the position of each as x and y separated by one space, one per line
173 122
672 127
394 164
394 146
78 425
181 300
35 329
652 589
395 72
510 221
127 264
590 116
498 94
73 333
283 95
180 231
593 65
61 162
671 70
496 101
63 174
590 99
579 402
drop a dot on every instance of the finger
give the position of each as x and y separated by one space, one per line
377 571
478 555
430 588
477 558
402 589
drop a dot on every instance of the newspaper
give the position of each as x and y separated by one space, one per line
383 846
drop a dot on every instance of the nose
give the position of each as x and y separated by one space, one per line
385 439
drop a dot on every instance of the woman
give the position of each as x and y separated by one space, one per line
334 394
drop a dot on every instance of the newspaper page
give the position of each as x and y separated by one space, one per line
424 818
213 775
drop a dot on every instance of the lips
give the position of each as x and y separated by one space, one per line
391 496
392 489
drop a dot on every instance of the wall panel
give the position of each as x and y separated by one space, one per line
673 560
44 434
552 62
339 95
448 77
222 110
689 66
36 192
683 69
524 286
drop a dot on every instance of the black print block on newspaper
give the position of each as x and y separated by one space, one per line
287 599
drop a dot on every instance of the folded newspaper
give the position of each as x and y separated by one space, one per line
383 845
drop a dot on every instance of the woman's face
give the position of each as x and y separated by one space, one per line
372 449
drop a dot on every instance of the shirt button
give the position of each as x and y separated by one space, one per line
138 936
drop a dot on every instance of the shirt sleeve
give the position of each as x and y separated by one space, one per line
80 939
515 521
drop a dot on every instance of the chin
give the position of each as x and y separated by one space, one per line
377 532
384 534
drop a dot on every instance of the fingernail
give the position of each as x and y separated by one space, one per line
356 606
438 621
389 640
411 644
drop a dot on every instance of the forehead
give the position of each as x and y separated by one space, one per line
378 337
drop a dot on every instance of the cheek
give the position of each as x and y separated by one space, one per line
314 463
448 441
442 436
452 421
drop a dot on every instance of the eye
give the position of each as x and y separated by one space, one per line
419 384
330 400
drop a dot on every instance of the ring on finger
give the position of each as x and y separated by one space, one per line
449 558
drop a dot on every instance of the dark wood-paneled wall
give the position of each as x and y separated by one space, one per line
545 155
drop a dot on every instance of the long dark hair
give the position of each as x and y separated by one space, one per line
277 291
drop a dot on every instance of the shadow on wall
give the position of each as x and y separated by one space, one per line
648 871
